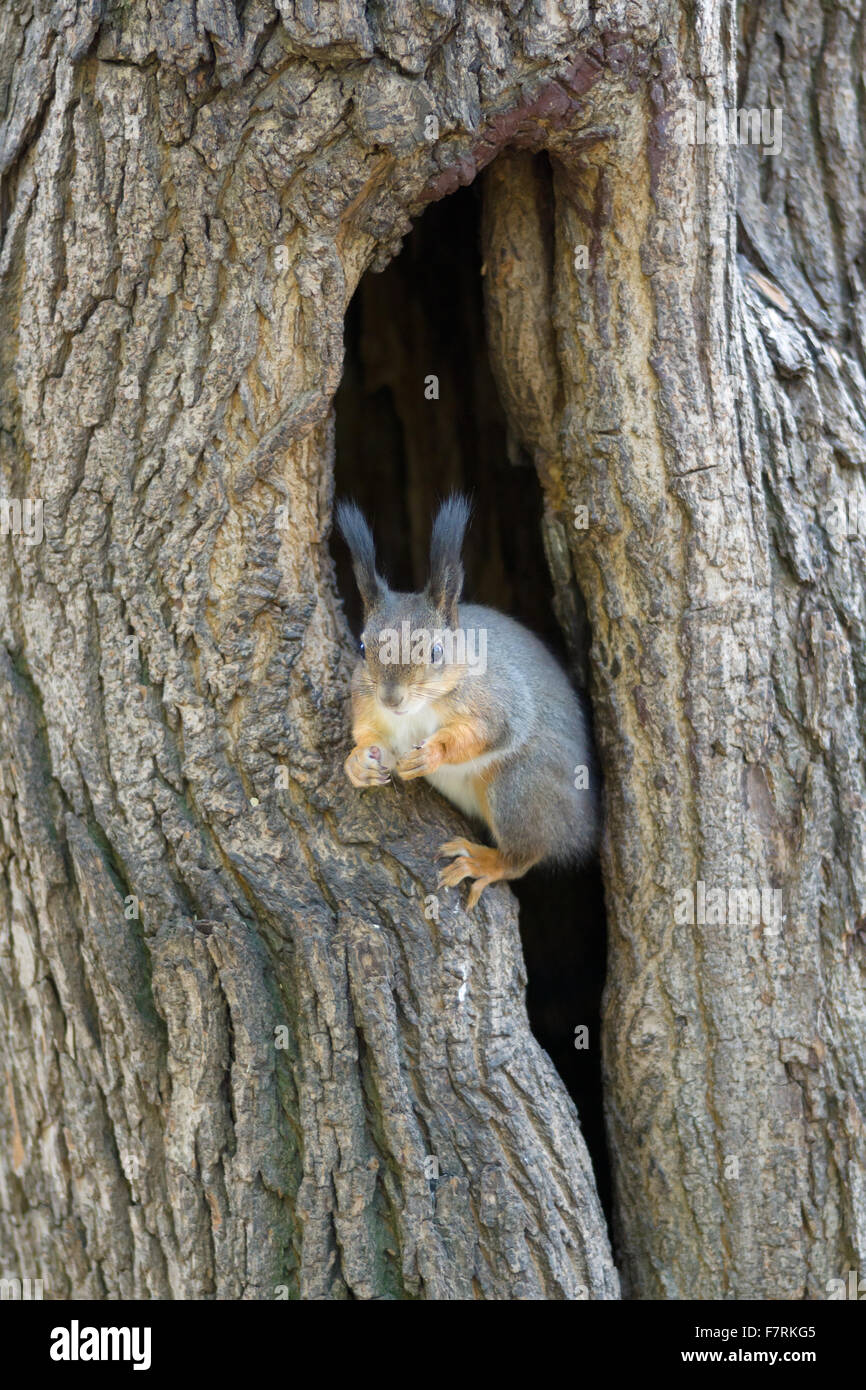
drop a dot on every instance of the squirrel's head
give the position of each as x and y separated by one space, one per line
406 642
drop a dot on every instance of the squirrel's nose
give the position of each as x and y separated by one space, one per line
392 695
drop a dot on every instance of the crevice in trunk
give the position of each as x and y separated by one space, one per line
400 448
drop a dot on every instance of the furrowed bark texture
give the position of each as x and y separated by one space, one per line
708 409
240 1060
189 204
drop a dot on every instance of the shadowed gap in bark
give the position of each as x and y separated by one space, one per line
398 453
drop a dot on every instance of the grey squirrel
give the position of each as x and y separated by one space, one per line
503 736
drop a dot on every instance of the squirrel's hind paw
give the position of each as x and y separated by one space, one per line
471 861
480 862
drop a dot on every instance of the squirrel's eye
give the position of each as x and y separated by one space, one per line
361 648
436 653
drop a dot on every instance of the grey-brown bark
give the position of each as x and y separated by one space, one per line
189 211
189 206
713 425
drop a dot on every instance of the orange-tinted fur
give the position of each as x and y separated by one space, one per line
485 865
500 739
459 742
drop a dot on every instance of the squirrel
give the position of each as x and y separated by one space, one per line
503 736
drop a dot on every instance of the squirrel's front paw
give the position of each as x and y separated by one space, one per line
421 760
365 767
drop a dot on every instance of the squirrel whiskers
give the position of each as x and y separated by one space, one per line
472 701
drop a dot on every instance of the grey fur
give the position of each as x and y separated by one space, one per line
540 730
445 584
533 725
356 533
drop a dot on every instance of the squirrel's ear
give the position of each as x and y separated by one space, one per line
446 566
359 538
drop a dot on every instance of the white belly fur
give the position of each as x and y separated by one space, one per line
456 781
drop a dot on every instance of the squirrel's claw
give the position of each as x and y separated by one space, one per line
461 866
364 768
469 861
452 874
476 890
451 848
419 761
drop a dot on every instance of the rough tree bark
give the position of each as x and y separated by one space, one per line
191 195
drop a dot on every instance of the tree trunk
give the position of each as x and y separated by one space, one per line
250 1053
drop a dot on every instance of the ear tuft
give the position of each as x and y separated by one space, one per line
359 538
446 566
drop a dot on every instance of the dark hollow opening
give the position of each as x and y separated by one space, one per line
398 454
